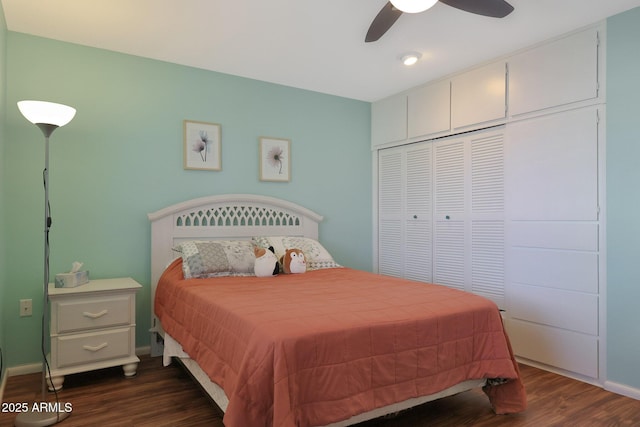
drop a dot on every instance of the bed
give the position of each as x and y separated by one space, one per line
333 346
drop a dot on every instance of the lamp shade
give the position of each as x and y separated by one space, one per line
50 113
413 6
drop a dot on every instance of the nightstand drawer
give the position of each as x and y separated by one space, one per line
76 314
91 347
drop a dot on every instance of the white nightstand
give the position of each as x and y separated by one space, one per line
93 326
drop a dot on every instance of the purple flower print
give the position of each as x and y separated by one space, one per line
275 158
202 145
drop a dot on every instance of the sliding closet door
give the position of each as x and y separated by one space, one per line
405 212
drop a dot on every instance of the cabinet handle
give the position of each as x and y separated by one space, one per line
447 217
95 315
96 348
415 217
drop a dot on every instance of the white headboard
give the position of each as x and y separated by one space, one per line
228 216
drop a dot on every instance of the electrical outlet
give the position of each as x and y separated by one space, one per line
26 307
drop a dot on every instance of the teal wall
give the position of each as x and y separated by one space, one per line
121 157
3 86
623 198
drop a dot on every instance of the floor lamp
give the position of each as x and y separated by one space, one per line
48 116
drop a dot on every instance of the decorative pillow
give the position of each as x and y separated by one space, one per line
317 257
266 264
216 258
293 262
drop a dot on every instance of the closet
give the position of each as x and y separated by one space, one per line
441 212
491 181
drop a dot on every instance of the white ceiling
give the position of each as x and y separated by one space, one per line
311 44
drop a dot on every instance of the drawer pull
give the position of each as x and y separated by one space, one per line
96 348
95 315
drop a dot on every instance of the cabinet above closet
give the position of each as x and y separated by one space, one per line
389 120
547 76
429 109
478 97
531 82
473 99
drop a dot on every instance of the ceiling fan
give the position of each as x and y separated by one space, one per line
394 8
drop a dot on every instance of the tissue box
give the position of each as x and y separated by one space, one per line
71 280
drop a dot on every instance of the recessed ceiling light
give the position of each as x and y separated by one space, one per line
413 6
410 58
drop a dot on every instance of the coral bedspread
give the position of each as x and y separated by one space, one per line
315 348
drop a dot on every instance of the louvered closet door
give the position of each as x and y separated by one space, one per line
487 217
449 244
418 216
404 211
390 212
469 214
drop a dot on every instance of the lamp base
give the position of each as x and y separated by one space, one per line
39 419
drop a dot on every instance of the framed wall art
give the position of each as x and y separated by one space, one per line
275 159
202 146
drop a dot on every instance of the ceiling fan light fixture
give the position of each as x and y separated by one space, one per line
413 6
410 58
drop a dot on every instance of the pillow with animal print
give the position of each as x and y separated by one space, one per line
316 256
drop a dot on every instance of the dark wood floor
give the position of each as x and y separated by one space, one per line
159 396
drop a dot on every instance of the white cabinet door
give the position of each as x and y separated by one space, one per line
479 96
389 120
554 255
553 163
555 74
404 212
429 109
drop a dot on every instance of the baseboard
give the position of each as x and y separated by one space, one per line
558 371
143 351
613 387
3 383
622 389
32 368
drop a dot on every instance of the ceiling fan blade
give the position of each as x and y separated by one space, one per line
387 16
492 8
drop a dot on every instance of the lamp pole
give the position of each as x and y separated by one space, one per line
47 130
48 117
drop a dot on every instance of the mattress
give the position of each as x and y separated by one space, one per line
320 347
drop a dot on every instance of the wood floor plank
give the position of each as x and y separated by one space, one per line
169 397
